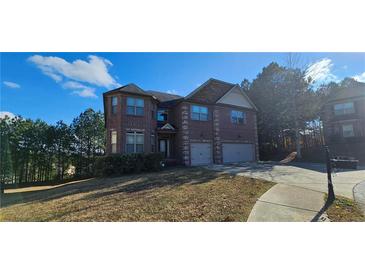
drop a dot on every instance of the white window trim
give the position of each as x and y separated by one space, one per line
352 130
134 106
199 113
135 134
340 109
236 118
153 142
114 105
162 110
114 144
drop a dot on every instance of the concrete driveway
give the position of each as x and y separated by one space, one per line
299 193
305 175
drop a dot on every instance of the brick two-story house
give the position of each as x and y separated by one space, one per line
344 122
216 123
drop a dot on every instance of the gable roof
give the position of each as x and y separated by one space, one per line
131 89
241 91
210 91
168 126
347 93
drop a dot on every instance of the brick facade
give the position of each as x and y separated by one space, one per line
216 130
333 128
123 123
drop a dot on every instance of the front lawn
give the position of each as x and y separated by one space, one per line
179 194
344 210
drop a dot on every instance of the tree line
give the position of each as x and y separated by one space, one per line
34 151
288 102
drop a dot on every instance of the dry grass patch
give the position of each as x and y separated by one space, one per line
180 194
344 210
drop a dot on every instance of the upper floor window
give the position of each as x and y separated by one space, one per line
113 141
162 115
114 104
344 108
348 130
238 117
135 142
199 113
135 106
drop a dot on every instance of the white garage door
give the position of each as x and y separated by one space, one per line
201 154
237 153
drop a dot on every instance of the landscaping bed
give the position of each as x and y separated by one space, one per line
176 194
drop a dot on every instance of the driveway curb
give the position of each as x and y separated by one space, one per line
359 195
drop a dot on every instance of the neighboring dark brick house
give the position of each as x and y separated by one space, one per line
344 122
216 123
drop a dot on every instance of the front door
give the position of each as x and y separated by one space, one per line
164 147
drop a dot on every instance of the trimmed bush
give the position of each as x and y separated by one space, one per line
152 161
127 163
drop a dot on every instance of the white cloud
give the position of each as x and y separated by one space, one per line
3 114
87 92
93 71
80 89
11 84
320 72
360 77
73 85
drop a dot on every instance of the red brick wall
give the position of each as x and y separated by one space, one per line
332 122
353 146
179 141
188 130
122 122
203 131
230 132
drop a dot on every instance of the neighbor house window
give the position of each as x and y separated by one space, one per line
135 142
238 117
114 141
348 130
345 108
135 106
114 104
199 113
162 115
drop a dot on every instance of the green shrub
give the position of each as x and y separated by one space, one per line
108 166
128 163
152 161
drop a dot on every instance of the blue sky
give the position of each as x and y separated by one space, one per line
59 86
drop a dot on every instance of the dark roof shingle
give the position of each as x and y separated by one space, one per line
210 91
162 96
130 88
348 93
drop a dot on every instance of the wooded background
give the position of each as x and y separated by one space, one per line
289 107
